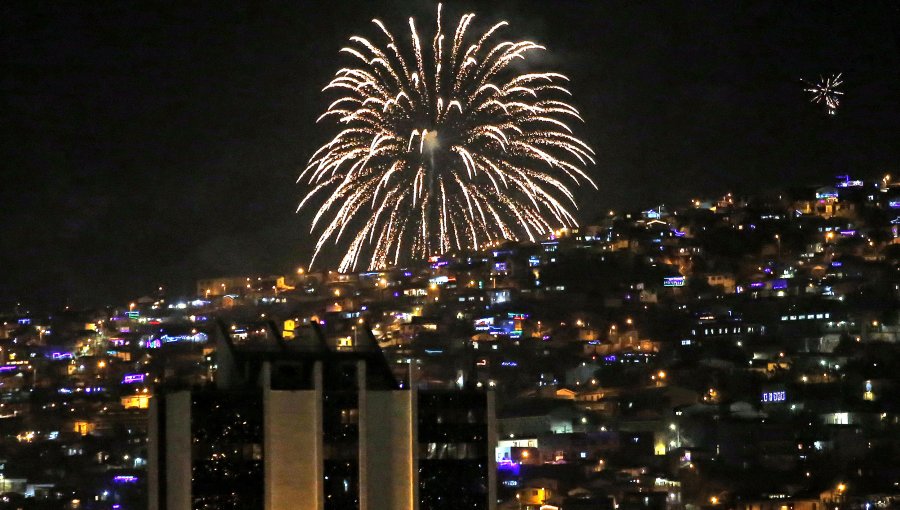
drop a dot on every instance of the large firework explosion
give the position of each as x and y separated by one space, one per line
442 151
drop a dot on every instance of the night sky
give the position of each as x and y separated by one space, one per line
146 144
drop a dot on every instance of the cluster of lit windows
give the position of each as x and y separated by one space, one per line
723 331
810 316
340 424
226 431
453 484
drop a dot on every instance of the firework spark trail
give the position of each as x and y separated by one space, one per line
441 152
825 92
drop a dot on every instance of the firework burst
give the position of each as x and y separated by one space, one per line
443 150
825 92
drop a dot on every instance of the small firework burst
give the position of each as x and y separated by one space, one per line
825 92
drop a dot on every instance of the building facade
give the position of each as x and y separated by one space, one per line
298 425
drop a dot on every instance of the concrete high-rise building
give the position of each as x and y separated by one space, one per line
297 425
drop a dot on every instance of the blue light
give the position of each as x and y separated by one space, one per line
774 396
673 281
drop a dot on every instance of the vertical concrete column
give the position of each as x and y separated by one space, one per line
153 465
414 436
388 450
293 447
178 451
492 449
363 427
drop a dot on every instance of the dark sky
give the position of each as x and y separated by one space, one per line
146 144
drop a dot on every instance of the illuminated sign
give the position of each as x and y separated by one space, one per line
61 355
517 316
155 343
847 183
436 262
504 445
757 285
484 324
774 396
125 479
673 281
134 314
133 378
894 204
499 266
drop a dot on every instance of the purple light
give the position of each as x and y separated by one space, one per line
508 466
779 284
125 479
757 285
9 368
133 378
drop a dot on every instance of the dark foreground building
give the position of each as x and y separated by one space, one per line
297 424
